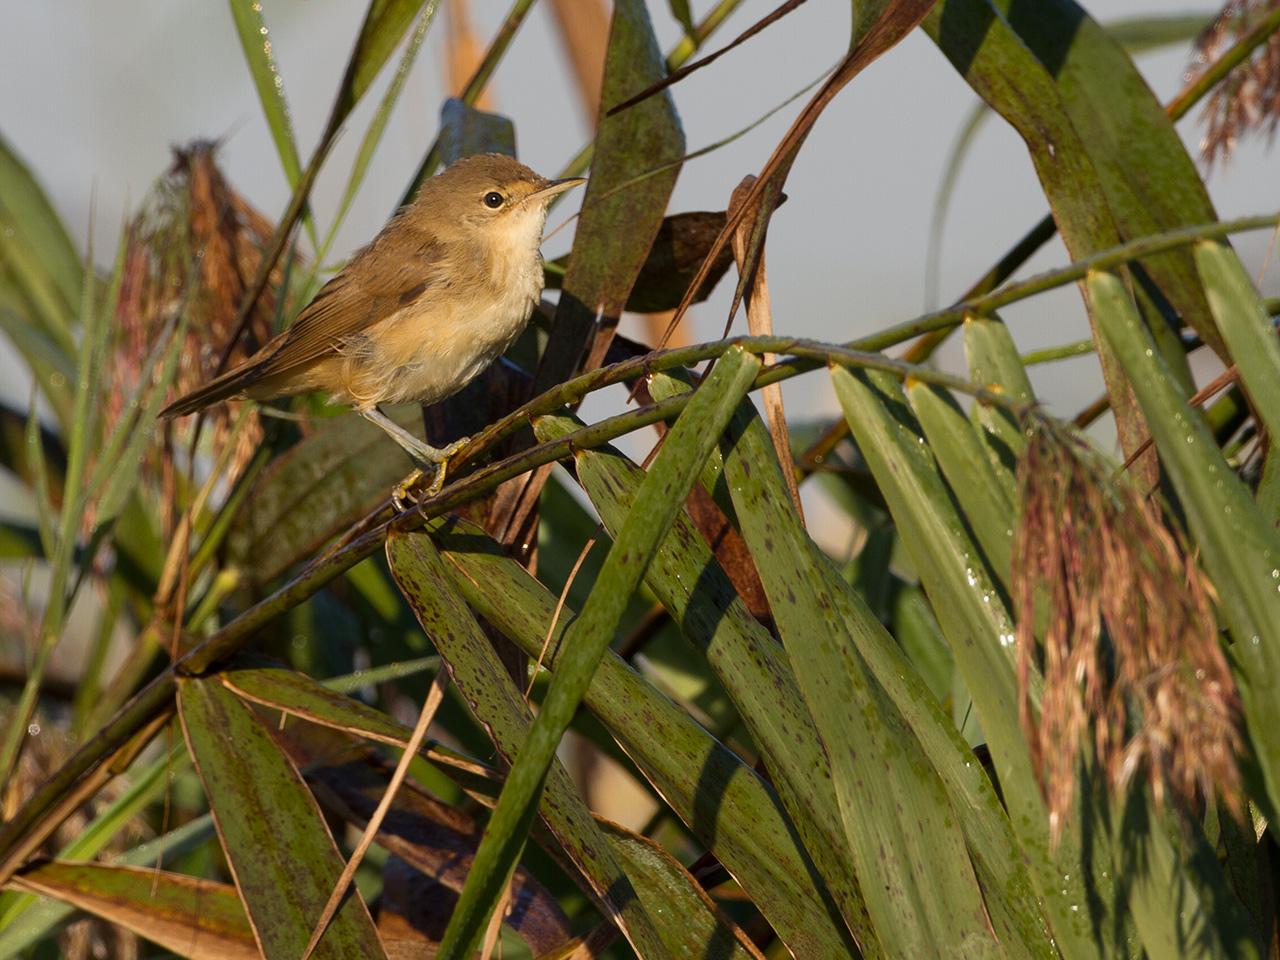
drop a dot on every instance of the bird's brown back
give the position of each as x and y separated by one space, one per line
426 250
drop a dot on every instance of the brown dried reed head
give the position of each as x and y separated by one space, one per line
1129 644
47 749
1248 99
196 245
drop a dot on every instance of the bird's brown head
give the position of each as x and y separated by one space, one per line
488 196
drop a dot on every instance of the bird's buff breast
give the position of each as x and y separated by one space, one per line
433 347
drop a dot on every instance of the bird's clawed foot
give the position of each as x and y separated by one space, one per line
405 495
410 492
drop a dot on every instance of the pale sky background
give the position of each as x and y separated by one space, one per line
94 94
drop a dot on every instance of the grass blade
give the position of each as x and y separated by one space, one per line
377 126
83 425
295 694
1166 862
52 367
255 41
1246 327
690 583
40 483
259 802
201 919
435 839
977 625
116 475
660 498
251 28
696 927
984 500
474 88
45 917
748 832
1010 896
35 245
1006 72
969 128
605 261
890 798
993 359
104 828
497 703
385 24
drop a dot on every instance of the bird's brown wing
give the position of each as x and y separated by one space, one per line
401 265
394 271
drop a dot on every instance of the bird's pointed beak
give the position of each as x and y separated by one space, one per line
552 188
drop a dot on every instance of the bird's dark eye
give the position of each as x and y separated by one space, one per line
493 199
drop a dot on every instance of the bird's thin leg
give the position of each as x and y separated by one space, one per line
423 454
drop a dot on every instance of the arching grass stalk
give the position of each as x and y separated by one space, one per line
863 347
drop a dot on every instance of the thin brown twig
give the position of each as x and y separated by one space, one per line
494 929
1092 412
677 75
1207 392
555 617
435 695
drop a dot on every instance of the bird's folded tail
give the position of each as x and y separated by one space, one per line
231 384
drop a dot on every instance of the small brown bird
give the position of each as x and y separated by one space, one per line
439 294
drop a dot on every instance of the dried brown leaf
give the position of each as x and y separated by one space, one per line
760 324
463 53
584 33
730 550
436 839
896 20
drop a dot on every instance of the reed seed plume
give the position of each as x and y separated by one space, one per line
1248 99
195 246
84 937
1128 642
